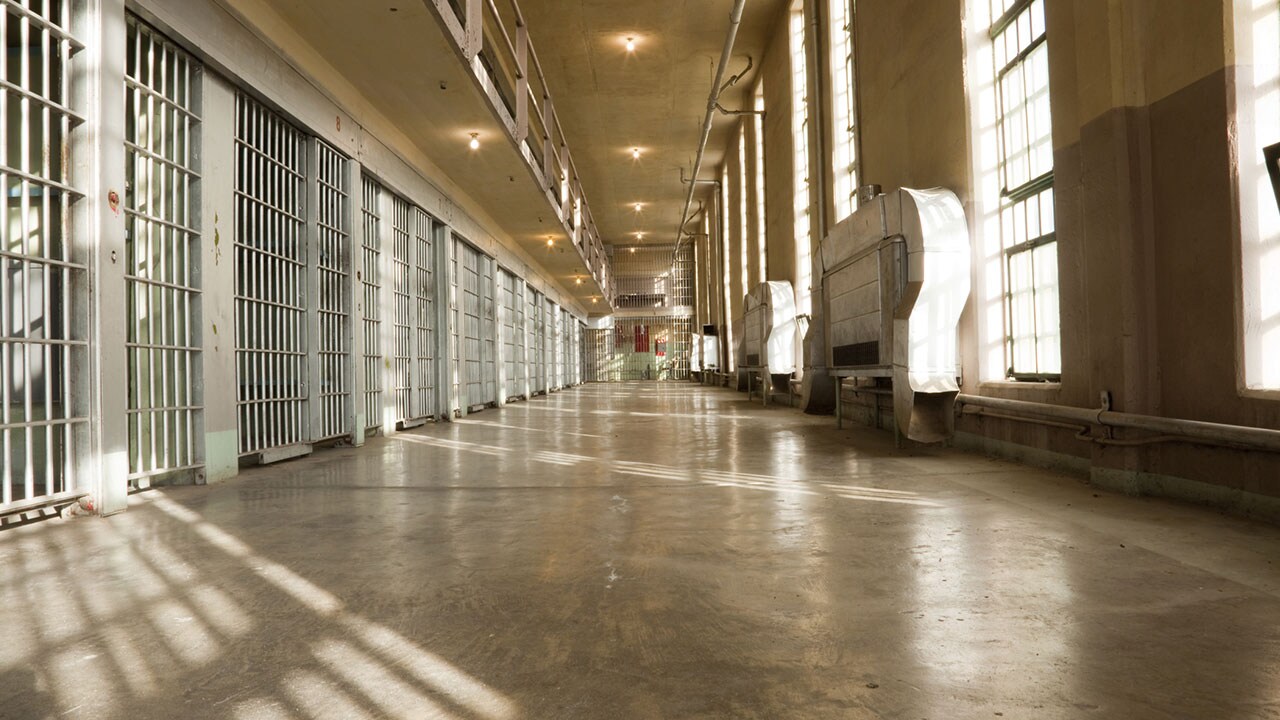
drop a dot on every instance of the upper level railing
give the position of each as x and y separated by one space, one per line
493 38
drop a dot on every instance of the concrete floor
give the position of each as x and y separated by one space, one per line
641 551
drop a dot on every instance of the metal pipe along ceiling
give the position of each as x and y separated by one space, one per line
735 20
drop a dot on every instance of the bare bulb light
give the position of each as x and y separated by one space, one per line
551 242
635 153
631 45
639 207
475 141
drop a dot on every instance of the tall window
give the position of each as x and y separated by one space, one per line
800 148
1033 343
844 105
1258 93
744 226
728 267
761 233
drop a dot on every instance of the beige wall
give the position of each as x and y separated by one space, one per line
1147 207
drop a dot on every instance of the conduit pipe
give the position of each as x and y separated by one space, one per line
1168 428
735 20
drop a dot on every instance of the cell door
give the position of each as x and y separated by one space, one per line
162 249
42 309
508 309
404 297
567 349
424 291
332 271
472 337
489 327
455 325
537 333
522 339
270 265
370 307
552 344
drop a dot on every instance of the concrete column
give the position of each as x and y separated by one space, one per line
218 277
99 389
356 289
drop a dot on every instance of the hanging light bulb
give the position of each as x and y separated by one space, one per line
631 45
639 207
475 141
635 153
551 242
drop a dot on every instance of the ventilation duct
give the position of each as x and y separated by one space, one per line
769 329
896 279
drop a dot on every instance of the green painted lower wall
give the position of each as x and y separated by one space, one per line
221 456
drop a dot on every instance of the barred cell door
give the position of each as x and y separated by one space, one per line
457 367
557 347
472 336
270 265
334 412
489 327
424 299
42 272
370 306
521 336
566 349
508 309
549 343
162 248
537 360
403 366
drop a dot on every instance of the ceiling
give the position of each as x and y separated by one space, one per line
611 101
608 101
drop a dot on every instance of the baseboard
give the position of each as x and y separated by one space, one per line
1047 459
1220 497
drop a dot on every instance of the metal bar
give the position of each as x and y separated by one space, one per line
1253 437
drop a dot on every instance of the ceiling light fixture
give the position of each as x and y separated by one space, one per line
639 207
631 44
635 153
475 141
551 242
577 281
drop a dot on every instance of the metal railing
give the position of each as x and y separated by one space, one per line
493 39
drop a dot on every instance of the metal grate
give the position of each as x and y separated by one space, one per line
469 288
161 254
402 245
41 342
271 342
424 287
371 288
641 348
536 338
333 261
455 323
553 349
601 365
489 328
507 310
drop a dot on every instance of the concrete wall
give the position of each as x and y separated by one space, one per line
1148 216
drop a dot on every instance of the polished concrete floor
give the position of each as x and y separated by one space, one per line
641 551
